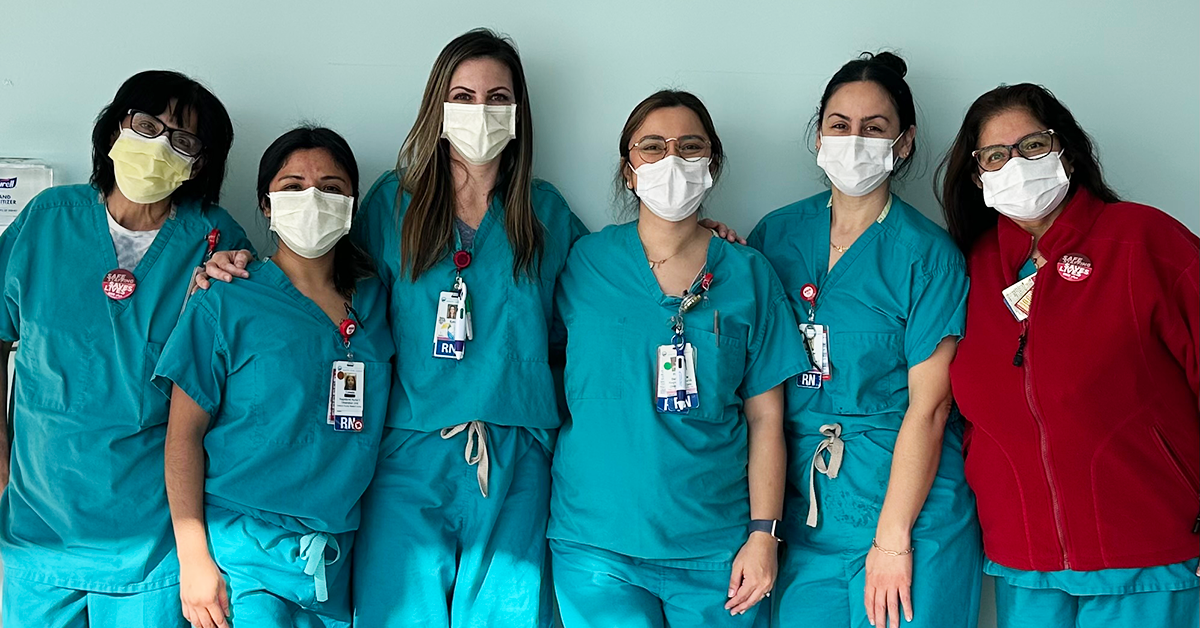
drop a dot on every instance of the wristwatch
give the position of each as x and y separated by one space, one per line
764 525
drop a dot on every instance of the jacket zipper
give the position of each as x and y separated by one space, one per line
1019 360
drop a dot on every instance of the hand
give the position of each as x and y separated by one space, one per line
722 230
224 266
754 572
889 586
202 592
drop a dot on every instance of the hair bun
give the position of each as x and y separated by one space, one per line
891 61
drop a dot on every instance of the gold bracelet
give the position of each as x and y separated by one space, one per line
891 552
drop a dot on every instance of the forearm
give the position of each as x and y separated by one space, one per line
768 454
915 463
185 484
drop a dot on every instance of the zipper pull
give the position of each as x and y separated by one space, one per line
1019 358
1196 526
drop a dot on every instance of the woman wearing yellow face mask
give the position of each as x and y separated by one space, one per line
94 278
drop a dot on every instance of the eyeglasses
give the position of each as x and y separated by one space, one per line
1032 146
653 147
149 126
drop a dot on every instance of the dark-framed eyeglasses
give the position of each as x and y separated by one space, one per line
1032 146
149 126
654 147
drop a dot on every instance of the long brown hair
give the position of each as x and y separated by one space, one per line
967 216
427 230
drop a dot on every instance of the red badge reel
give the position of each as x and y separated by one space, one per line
808 292
1074 267
347 329
462 259
119 284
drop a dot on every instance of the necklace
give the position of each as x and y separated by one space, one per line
840 249
656 263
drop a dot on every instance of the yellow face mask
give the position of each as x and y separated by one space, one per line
148 170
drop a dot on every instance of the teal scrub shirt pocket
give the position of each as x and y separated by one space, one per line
527 310
47 352
275 414
866 369
585 377
720 366
155 404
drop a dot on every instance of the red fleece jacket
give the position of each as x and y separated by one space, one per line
1083 441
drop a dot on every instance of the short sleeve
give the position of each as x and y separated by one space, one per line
233 237
195 357
10 274
367 229
937 310
775 350
755 239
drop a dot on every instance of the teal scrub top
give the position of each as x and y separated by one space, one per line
652 485
892 297
1176 577
257 356
86 506
504 377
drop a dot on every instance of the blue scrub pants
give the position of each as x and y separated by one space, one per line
29 604
823 573
597 588
1019 607
433 551
264 566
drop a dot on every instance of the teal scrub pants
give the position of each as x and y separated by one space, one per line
597 588
265 571
1019 607
823 573
29 604
433 551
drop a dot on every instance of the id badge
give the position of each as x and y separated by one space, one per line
1019 296
347 389
816 346
450 330
676 369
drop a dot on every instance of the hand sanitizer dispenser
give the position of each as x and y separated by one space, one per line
20 181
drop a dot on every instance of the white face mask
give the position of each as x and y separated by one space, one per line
1027 189
479 132
672 187
856 165
310 222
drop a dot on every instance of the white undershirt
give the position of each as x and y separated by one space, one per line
130 245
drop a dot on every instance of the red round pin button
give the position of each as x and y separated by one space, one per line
1074 267
119 284
808 292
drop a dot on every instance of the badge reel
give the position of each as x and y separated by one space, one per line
348 382
452 327
675 364
816 344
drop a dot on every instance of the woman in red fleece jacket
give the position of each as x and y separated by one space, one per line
1078 374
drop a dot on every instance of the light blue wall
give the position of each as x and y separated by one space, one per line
1129 70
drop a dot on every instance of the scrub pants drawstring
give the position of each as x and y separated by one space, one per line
312 551
477 448
836 447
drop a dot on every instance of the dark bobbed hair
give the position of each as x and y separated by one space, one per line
967 216
153 91
664 99
350 262
887 70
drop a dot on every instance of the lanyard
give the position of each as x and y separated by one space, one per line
691 298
